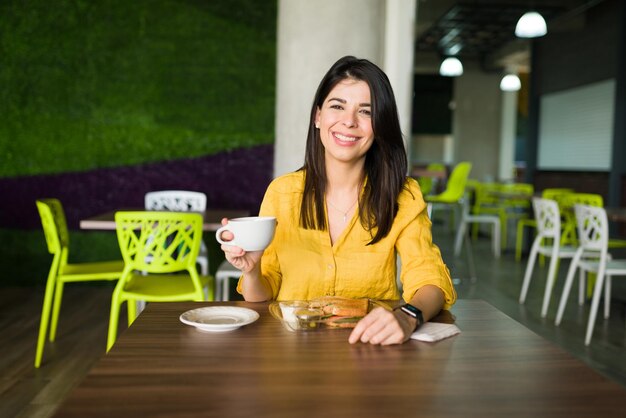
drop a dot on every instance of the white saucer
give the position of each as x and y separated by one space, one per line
219 318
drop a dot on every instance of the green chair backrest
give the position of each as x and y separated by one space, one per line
517 189
558 195
159 242
54 224
589 199
483 195
455 188
555 193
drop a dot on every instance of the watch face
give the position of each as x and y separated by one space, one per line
411 310
414 312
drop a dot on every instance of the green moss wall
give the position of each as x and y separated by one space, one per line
92 84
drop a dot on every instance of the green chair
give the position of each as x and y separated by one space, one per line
508 201
589 199
61 272
455 188
427 184
159 251
552 194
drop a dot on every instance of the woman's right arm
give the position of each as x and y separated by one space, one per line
254 286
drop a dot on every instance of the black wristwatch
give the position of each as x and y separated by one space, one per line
413 312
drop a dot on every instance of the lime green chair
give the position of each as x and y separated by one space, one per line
485 201
427 184
61 272
552 194
455 187
507 200
159 251
588 199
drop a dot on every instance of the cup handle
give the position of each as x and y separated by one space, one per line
218 236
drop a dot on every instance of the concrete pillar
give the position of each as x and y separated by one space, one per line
507 135
398 59
312 35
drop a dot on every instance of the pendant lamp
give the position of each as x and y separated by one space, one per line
510 82
451 67
531 25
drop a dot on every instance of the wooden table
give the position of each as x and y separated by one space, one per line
212 219
495 368
616 214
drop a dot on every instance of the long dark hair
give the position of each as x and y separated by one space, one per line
385 162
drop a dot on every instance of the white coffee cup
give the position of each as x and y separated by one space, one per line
252 233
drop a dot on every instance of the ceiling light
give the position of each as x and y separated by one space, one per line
510 82
531 25
451 67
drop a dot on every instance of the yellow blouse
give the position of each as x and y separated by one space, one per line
301 264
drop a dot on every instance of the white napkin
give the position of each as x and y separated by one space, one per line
435 331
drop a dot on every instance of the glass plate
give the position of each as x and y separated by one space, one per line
287 314
219 318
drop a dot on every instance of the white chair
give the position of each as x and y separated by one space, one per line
181 201
467 218
593 237
225 272
547 243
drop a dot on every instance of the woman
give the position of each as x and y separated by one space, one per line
343 215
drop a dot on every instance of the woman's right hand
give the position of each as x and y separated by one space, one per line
246 261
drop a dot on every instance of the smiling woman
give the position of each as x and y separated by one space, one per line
345 214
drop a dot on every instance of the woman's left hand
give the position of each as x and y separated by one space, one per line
383 327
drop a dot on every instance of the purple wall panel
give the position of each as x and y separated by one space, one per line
231 180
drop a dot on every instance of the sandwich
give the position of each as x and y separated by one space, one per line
341 312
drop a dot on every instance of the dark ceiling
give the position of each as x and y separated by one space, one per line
479 29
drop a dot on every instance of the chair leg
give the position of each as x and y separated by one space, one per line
475 231
591 280
519 241
113 319
595 301
581 287
204 265
607 297
45 311
567 287
209 290
529 271
141 305
496 242
131 310
458 240
549 285
226 289
58 296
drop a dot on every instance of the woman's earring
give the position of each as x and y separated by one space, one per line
317 125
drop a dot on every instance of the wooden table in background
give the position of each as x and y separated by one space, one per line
495 368
212 219
616 214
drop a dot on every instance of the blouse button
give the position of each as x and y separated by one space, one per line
330 266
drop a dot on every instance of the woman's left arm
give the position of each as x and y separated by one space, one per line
395 327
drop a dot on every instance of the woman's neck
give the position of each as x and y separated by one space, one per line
344 178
